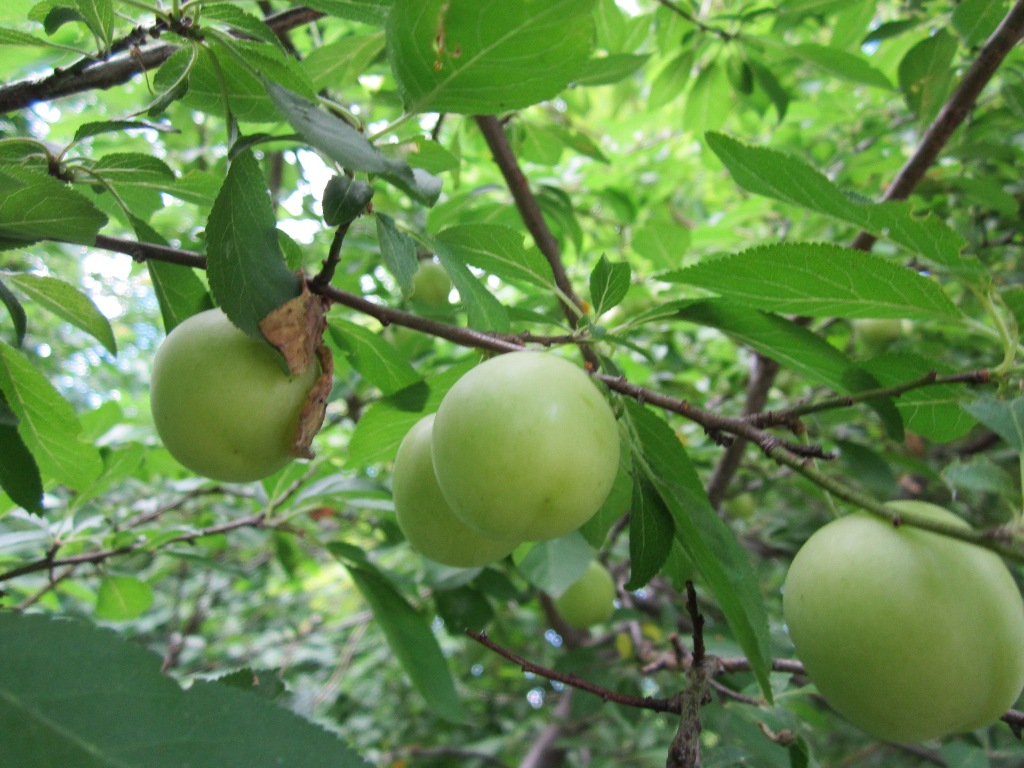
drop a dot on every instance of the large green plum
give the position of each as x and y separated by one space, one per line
525 447
425 517
589 600
222 404
911 635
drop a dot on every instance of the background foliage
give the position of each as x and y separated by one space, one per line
698 199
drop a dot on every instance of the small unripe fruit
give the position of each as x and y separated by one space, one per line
431 284
221 402
425 517
589 600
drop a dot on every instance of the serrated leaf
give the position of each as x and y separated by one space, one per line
819 280
340 141
398 251
67 303
483 311
376 360
500 251
46 422
844 65
19 474
345 199
651 532
85 130
99 17
235 18
926 74
553 565
721 560
783 177
339 63
1004 417
135 169
409 637
486 56
16 37
934 412
60 680
385 423
609 284
17 313
365 11
246 268
121 598
35 206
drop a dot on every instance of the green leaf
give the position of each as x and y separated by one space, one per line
35 206
651 532
662 243
246 268
16 37
345 200
846 66
606 70
338 64
398 251
819 280
609 284
96 128
61 679
934 412
121 598
46 422
486 56
721 560
782 177
484 312
365 11
99 17
340 141
134 169
553 565
926 74
709 100
375 359
235 18
975 20
68 303
385 423
499 250
408 635
17 313
19 474
1004 417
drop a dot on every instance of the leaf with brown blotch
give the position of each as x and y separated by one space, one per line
315 408
296 329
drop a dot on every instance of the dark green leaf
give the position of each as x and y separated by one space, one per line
35 206
926 74
365 11
235 18
246 268
46 422
16 311
609 284
721 560
819 280
975 20
61 680
19 474
375 359
486 56
409 637
68 303
398 251
774 174
85 130
651 532
345 200
1004 417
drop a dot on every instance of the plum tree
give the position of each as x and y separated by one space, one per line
589 600
909 634
431 284
221 401
525 447
426 518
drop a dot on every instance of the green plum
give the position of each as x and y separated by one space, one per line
589 600
909 634
525 447
221 402
431 284
425 517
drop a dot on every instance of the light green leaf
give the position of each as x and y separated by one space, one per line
135 169
484 312
60 680
846 66
783 177
46 422
486 56
375 359
121 598
68 303
99 17
662 243
498 250
709 100
1004 417
246 267
819 280
338 64
721 560
975 20
606 70
408 635
609 284
553 565
926 74
235 18
15 37
35 206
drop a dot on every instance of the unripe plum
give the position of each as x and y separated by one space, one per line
589 600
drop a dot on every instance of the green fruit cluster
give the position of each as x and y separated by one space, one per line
909 634
221 401
524 447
